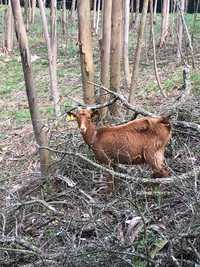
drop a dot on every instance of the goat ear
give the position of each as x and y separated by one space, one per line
71 116
94 113
143 125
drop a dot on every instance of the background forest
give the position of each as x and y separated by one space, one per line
128 59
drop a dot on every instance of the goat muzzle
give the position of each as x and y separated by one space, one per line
83 130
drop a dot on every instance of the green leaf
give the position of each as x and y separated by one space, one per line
158 246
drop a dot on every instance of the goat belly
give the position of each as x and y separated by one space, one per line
117 154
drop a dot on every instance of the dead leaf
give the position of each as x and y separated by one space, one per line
134 226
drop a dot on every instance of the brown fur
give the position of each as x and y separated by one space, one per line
136 142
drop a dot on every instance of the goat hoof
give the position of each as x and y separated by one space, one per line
161 174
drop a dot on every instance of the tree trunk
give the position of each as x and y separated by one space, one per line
154 51
116 49
105 53
51 59
38 128
94 15
165 22
64 23
26 14
186 5
98 16
180 31
55 91
155 10
73 8
195 19
125 45
137 14
132 6
33 7
138 50
9 27
187 32
102 8
86 53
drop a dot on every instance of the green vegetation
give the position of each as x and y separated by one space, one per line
22 115
69 72
12 81
11 75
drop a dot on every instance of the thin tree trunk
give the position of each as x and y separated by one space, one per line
155 10
125 45
53 37
94 15
132 6
64 22
132 20
30 10
180 31
105 53
145 41
173 26
86 53
186 6
98 16
9 35
164 23
154 51
51 59
137 14
26 12
196 8
116 49
38 128
73 8
137 56
187 32
33 5
102 8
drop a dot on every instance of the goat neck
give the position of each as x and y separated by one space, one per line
90 134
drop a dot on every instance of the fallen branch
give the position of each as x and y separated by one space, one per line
30 249
170 180
28 185
194 250
39 201
187 125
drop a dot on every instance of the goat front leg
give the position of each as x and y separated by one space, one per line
157 163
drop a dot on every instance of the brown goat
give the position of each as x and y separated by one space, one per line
136 142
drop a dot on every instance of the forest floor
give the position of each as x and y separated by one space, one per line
65 220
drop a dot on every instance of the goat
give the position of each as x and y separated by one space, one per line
136 142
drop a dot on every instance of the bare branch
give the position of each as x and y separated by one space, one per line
97 106
195 251
125 176
137 110
39 201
